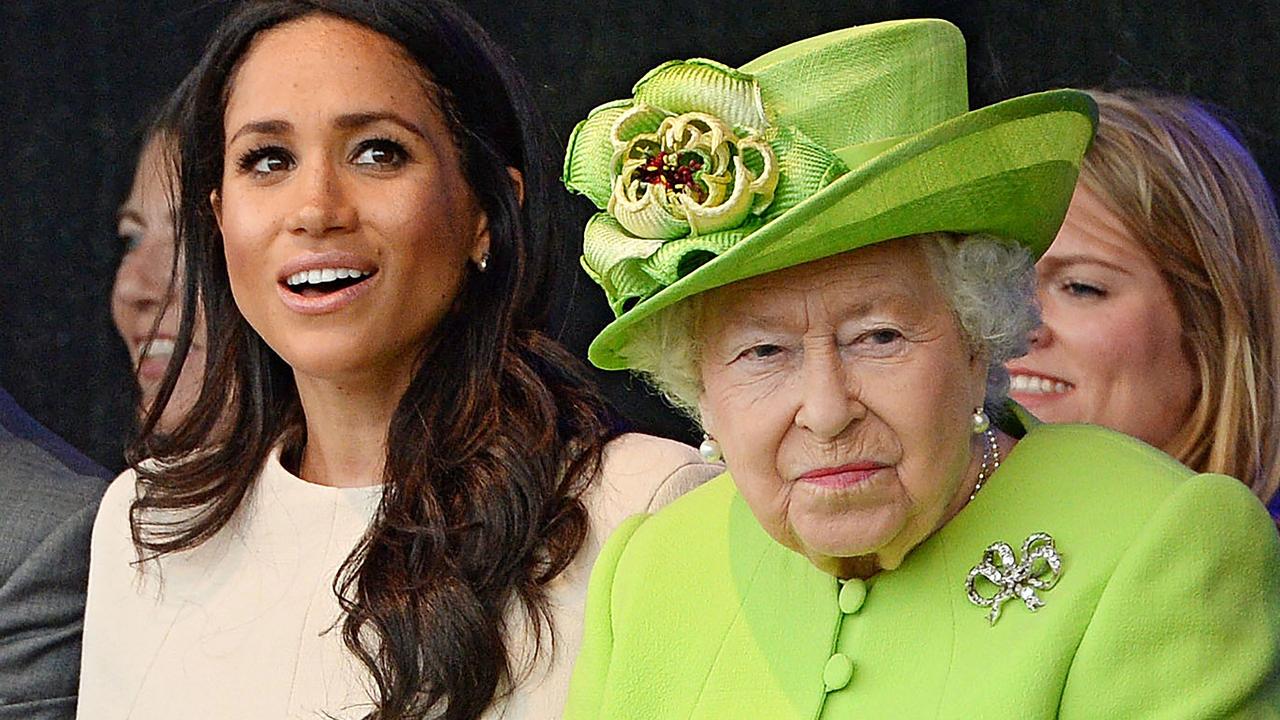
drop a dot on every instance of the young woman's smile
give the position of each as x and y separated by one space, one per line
319 283
1110 350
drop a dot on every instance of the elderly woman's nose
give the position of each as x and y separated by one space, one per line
322 206
827 403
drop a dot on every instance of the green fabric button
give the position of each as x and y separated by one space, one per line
838 671
852 595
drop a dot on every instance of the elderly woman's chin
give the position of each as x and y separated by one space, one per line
848 534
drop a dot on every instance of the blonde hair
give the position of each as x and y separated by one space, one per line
1193 197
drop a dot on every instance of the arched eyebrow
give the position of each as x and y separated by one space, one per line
262 127
348 121
354 121
1052 264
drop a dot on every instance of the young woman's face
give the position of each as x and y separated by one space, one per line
139 296
1110 351
347 223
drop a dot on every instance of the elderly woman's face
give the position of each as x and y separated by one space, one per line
841 392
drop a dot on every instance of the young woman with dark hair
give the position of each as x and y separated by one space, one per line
142 304
387 497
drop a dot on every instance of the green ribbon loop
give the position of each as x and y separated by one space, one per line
631 269
613 258
588 163
804 168
701 85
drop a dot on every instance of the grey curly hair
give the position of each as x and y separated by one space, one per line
990 284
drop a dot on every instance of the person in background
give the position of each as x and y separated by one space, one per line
388 495
1160 296
49 493
143 306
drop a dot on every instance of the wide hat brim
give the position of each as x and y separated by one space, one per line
1007 170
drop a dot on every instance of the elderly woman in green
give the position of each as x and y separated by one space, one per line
825 257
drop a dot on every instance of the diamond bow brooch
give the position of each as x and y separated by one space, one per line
1039 569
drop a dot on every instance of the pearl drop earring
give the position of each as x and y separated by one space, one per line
980 421
710 450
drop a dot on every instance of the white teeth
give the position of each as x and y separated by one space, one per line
160 347
315 277
1036 385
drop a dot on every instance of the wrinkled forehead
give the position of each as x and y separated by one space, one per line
889 277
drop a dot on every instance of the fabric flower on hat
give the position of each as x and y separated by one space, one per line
690 176
683 171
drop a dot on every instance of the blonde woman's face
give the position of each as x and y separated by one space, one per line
1110 351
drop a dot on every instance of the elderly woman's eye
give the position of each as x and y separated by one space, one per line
761 352
882 336
265 160
381 153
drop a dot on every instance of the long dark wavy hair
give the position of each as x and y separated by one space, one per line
489 451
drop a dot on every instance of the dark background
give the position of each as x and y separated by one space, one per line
78 77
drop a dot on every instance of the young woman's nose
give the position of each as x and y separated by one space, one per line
1041 336
322 206
142 281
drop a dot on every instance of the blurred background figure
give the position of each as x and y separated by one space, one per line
141 304
49 494
1161 294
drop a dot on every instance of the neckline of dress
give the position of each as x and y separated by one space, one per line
275 472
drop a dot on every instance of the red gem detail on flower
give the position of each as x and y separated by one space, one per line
673 172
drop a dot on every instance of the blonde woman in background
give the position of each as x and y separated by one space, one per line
1161 294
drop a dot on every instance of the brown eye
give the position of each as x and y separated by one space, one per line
270 164
381 154
266 160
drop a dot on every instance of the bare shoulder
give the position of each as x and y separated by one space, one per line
642 473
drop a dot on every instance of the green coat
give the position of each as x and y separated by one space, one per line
1168 605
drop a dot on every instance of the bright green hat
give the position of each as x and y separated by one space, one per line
711 175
